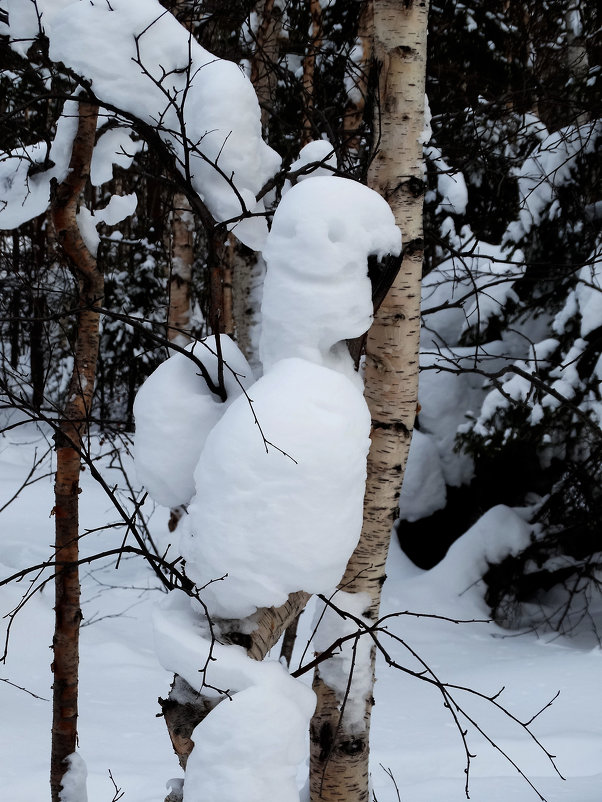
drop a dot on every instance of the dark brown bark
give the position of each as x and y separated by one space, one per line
309 68
14 308
220 283
265 57
69 440
246 272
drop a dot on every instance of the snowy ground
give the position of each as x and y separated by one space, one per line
413 734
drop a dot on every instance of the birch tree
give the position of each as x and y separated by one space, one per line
339 768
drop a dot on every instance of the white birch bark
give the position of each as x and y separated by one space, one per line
180 275
339 759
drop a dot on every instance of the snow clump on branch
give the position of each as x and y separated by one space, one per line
203 108
175 410
280 477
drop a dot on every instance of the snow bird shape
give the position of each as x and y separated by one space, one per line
280 472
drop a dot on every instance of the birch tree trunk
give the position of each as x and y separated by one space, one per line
69 442
339 752
180 275
247 270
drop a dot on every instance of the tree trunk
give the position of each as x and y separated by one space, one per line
355 111
185 708
265 57
577 59
41 243
14 308
309 68
180 275
69 441
246 269
339 753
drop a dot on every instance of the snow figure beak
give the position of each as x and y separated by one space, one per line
382 274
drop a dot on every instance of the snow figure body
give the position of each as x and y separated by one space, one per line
278 505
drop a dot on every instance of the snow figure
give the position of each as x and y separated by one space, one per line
280 480
276 473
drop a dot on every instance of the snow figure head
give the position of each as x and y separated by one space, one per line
317 292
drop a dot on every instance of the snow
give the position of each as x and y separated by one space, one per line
24 196
268 519
252 745
411 730
319 153
497 534
114 147
175 410
263 522
548 167
117 209
444 398
317 292
427 132
588 293
483 276
451 185
460 297
566 375
208 110
574 22
254 739
73 787
351 659
423 491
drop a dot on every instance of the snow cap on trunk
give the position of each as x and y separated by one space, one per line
73 784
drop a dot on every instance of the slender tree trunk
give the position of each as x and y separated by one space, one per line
246 269
14 308
69 440
220 283
265 57
41 244
339 752
577 59
309 68
355 111
180 276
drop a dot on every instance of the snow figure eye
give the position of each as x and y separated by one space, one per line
336 231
